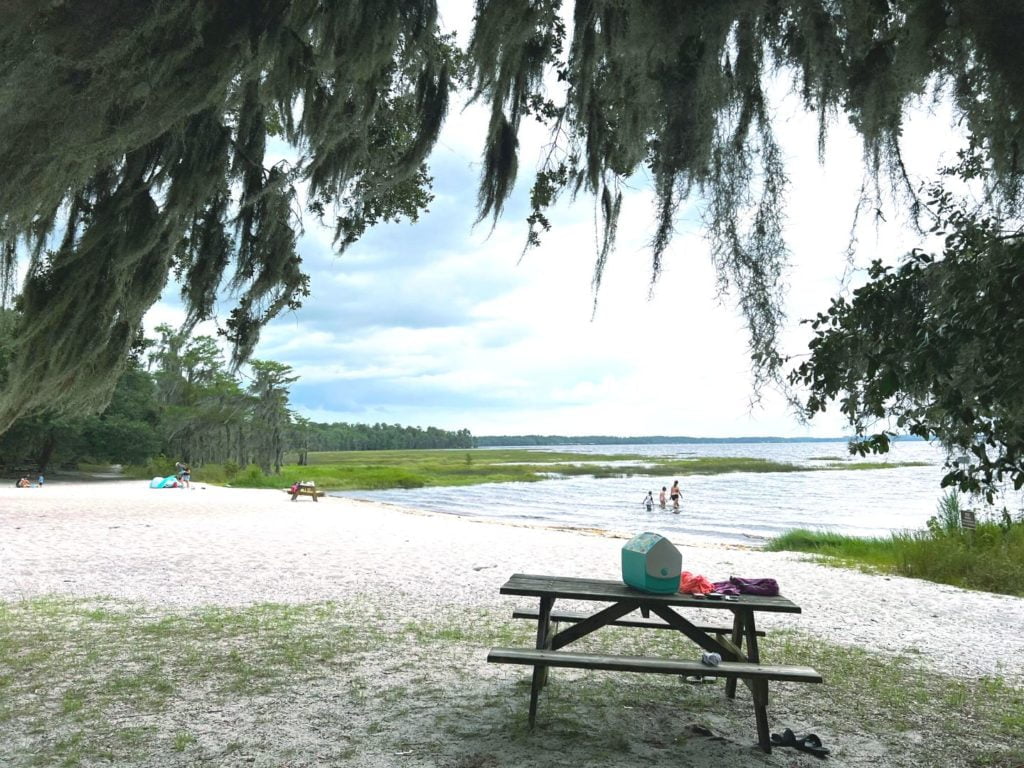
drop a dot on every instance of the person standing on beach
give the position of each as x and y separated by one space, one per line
661 497
674 494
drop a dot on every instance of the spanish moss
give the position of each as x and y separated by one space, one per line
136 139
137 132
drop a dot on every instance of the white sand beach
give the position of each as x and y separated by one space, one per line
234 547
177 549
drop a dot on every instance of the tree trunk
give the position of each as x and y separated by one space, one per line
43 459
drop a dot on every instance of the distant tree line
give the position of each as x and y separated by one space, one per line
178 398
342 436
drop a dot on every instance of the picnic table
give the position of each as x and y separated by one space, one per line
736 641
306 489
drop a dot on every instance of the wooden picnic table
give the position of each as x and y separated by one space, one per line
306 489
736 642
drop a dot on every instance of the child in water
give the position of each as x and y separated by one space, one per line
649 501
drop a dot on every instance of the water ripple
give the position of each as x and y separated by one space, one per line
745 506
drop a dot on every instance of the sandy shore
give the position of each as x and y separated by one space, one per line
234 547
180 549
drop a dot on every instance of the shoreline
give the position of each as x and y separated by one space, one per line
181 549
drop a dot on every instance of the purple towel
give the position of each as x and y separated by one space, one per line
765 587
726 588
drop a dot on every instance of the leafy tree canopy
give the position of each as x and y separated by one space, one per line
933 348
139 130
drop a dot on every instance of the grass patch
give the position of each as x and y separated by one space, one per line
382 470
100 681
900 692
989 557
859 465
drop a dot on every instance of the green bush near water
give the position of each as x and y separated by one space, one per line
989 557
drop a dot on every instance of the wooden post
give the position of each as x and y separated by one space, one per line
543 640
758 688
737 640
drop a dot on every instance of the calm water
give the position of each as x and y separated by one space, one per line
737 506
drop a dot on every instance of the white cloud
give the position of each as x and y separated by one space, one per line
442 324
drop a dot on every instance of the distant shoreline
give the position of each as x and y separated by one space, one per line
510 441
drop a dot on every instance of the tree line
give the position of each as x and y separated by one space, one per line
341 436
178 397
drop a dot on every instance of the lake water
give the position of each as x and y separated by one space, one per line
739 506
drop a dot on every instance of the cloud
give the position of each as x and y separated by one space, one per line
443 323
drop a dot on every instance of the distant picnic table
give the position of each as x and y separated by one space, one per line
738 662
305 489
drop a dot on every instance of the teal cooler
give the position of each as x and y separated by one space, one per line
651 563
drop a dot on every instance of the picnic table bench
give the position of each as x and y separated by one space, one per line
738 663
306 489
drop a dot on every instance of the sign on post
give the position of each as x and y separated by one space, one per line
967 519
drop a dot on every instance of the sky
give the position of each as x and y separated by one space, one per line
446 324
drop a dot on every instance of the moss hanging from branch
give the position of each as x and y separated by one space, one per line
676 89
139 130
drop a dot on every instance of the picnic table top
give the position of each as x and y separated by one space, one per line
606 590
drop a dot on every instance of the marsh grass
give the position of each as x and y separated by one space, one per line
854 466
381 470
414 469
85 682
989 557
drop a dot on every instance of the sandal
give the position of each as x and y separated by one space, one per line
787 739
812 745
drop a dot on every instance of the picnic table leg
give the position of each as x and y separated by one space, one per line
758 688
737 640
543 641
759 692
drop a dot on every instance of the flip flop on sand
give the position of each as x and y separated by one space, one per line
812 744
787 739
809 743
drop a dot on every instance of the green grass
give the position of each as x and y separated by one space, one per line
860 465
85 679
907 696
989 558
380 470
87 682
